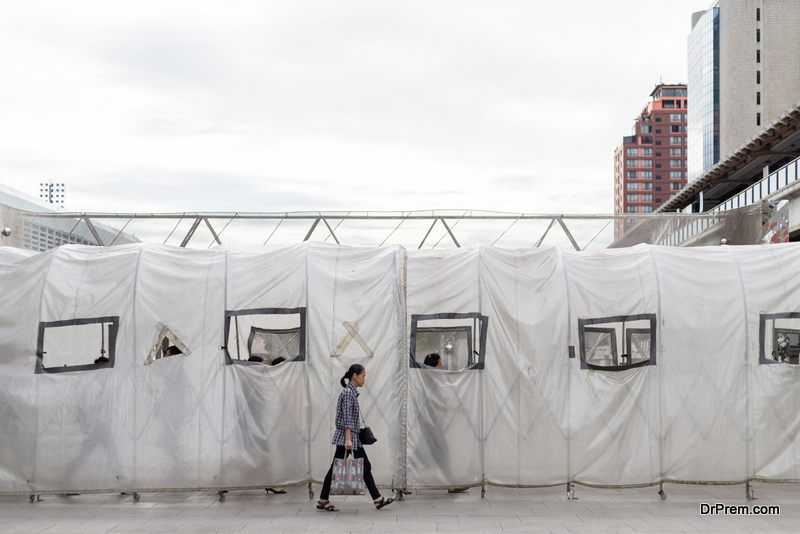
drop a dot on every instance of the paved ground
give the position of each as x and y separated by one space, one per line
502 510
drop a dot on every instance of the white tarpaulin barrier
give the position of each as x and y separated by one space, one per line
623 367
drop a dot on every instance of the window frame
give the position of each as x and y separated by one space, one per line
762 328
483 328
264 311
113 331
583 323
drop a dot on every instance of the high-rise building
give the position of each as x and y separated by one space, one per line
650 164
702 149
744 72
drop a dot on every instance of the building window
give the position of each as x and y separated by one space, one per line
758 56
658 176
758 119
632 209
668 104
632 198
658 200
617 343
658 131
758 35
647 152
631 175
647 175
675 116
658 165
658 154
675 175
632 186
675 187
675 152
758 76
676 140
675 163
647 198
758 98
758 13
647 163
632 163
675 128
632 151
658 189
645 129
648 209
647 186
658 119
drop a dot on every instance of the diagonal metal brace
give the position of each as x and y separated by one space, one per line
429 233
569 235
216 237
449 231
93 230
539 243
331 231
311 230
195 224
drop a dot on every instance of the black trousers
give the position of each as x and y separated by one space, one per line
368 480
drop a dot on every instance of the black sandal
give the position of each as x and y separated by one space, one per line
383 502
276 492
327 505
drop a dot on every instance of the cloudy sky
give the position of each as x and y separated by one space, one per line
335 105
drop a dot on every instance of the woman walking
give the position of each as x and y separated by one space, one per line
346 438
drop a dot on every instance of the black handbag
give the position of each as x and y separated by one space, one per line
365 435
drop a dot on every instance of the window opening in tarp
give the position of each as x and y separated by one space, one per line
165 338
76 344
458 338
260 336
601 342
779 338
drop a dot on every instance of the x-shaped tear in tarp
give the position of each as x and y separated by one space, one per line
352 333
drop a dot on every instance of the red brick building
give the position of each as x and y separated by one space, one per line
650 164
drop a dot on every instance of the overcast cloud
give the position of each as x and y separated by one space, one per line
346 105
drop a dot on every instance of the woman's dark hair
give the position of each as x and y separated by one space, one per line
432 359
276 361
355 369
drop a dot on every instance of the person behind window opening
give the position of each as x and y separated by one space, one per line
257 359
346 438
172 351
435 361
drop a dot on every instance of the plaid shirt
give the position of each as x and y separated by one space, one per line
347 413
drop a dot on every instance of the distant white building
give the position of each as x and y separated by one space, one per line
18 211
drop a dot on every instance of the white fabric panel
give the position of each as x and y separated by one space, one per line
702 366
612 436
362 287
772 286
706 412
266 408
527 369
13 254
444 407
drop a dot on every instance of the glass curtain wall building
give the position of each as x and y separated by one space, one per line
703 150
